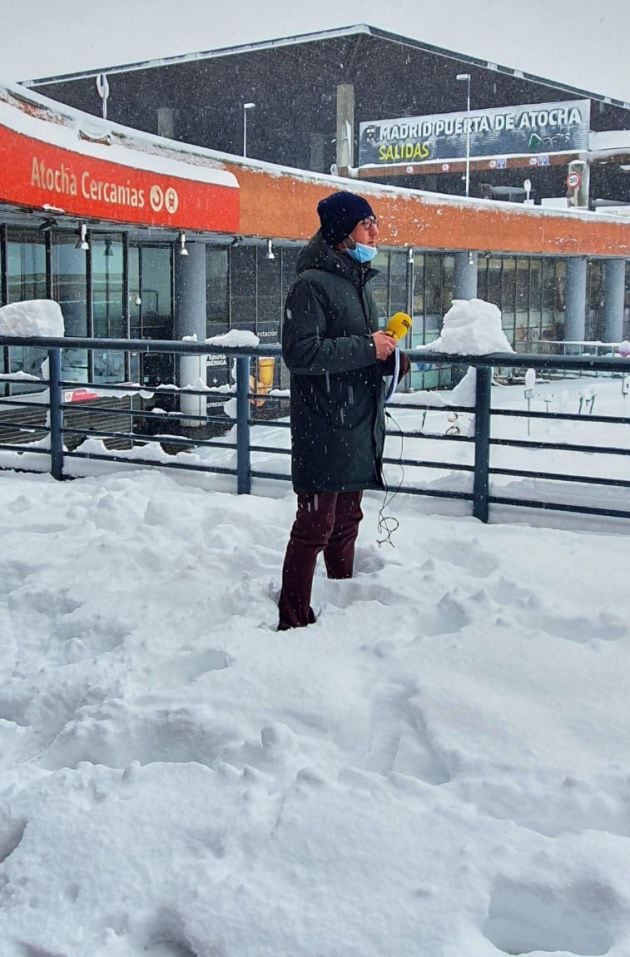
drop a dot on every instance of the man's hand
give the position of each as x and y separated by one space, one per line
384 344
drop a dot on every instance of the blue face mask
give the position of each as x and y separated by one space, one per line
362 253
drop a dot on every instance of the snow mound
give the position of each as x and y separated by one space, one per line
235 337
471 327
34 317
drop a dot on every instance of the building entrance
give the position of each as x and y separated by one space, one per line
151 309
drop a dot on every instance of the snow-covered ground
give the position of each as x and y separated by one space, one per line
437 768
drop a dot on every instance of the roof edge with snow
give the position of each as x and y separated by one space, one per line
353 30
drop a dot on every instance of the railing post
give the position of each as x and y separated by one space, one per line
56 413
243 468
482 442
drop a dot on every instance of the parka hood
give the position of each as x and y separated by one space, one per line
319 255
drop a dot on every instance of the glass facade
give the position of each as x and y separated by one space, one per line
217 287
108 304
390 285
70 290
433 293
25 277
256 281
530 292
123 286
150 299
245 289
595 302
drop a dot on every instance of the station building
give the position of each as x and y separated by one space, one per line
317 101
141 236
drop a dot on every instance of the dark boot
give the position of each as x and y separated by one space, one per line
325 521
339 552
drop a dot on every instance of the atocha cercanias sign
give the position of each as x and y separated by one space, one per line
540 128
51 166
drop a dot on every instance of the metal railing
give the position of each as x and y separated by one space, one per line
481 441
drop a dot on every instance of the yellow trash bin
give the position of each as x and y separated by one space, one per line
262 381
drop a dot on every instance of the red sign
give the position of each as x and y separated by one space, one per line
39 174
80 395
574 180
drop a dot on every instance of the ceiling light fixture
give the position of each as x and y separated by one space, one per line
82 242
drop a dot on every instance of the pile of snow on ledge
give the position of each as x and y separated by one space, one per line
471 327
34 317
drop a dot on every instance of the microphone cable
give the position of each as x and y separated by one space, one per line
387 525
399 325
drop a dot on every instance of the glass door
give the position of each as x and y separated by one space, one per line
151 309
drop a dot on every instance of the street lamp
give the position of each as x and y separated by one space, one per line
246 107
465 77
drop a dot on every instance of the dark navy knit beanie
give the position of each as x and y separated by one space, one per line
339 213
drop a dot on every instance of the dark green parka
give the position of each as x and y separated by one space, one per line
337 390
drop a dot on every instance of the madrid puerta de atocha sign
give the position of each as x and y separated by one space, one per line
540 128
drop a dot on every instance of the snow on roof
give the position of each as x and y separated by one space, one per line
43 119
610 140
319 36
40 117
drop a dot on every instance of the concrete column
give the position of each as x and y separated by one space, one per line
166 122
465 275
345 126
614 290
190 320
317 152
575 314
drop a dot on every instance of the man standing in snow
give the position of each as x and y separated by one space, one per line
337 358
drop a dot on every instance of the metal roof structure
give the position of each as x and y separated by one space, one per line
318 36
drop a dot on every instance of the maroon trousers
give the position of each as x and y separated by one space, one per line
325 522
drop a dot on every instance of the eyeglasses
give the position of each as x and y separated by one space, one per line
369 222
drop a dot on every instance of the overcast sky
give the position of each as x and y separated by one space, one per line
583 43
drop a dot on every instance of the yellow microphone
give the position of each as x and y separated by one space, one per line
399 325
